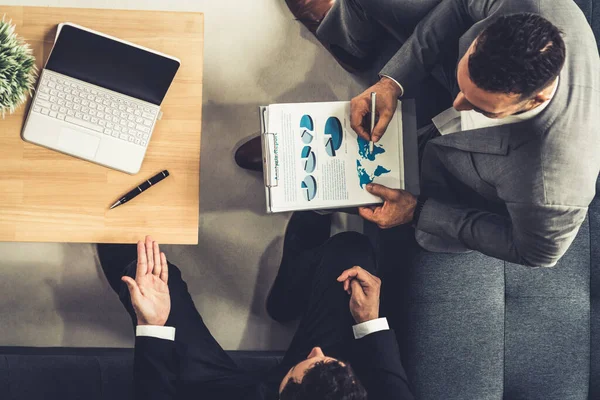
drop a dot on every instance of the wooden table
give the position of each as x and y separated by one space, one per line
46 196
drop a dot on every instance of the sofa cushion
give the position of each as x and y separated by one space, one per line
4 376
256 360
455 326
49 377
28 373
547 331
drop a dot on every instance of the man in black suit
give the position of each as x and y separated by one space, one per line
176 357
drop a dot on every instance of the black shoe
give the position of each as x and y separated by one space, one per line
114 259
310 12
306 231
249 155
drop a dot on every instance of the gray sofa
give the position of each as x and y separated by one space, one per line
470 327
473 327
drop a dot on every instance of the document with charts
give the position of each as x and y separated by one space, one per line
314 160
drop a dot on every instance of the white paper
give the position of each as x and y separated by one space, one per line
328 166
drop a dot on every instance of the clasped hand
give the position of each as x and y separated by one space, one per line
364 289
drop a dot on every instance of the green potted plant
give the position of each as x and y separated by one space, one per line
17 69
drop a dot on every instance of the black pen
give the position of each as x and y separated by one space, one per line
141 188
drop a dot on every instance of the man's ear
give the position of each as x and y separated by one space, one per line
539 98
543 97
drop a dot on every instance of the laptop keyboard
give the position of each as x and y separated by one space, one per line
93 108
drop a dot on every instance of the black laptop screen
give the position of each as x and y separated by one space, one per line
111 64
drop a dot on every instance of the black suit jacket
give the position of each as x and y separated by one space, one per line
375 359
155 368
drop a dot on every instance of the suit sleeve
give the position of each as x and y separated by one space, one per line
155 369
379 367
536 236
439 30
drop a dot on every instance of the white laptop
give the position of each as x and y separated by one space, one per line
98 98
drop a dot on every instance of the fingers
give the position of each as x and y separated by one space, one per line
151 260
358 282
357 290
134 290
345 279
150 253
347 286
164 274
343 276
359 107
368 214
376 216
366 281
142 264
384 120
382 191
357 273
157 259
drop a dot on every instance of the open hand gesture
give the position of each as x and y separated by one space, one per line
149 291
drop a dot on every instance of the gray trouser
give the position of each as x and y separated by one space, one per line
359 26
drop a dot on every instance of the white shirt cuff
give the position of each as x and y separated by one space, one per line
160 332
366 328
397 83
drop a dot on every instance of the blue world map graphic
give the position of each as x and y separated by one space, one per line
363 151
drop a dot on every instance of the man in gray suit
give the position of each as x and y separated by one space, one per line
511 168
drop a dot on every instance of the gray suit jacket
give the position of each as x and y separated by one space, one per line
516 192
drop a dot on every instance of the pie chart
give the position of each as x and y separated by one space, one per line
307 137
307 126
306 122
329 147
305 151
309 159
309 187
334 135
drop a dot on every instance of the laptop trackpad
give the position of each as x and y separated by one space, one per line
78 143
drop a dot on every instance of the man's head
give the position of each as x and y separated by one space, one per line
321 377
511 67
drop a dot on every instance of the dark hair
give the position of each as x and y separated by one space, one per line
325 381
519 53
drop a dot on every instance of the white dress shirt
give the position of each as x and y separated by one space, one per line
168 332
397 83
369 327
155 331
